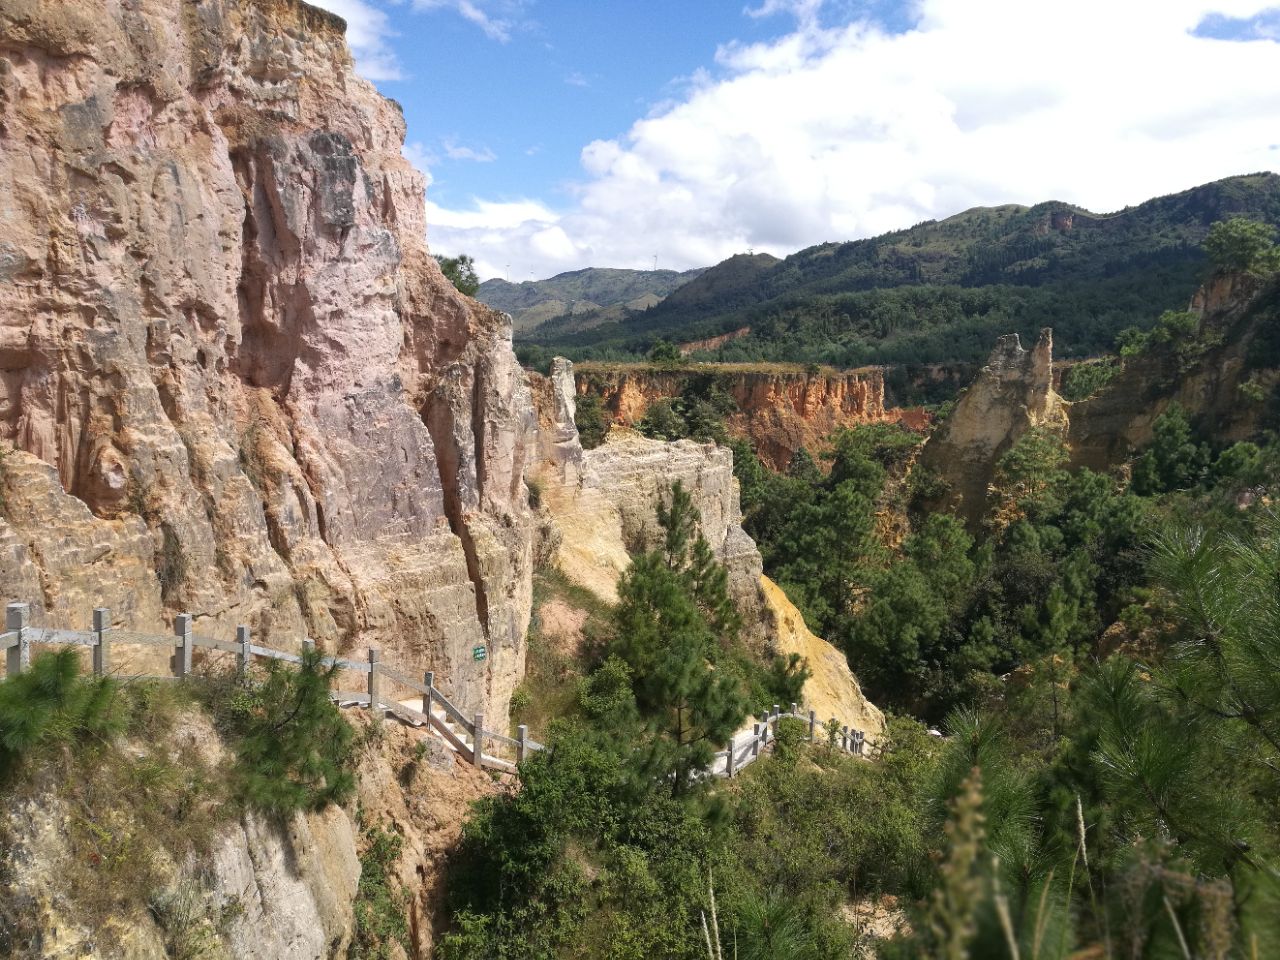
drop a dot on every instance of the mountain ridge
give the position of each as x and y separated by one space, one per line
943 289
533 302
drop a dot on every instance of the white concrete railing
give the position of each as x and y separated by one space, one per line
464 734
438 713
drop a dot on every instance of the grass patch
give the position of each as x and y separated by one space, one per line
553 674
380 908
130 804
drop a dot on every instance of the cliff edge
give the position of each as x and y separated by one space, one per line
232 379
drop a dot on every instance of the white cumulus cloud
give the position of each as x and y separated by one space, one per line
839 132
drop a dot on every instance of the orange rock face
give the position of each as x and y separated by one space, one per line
779 410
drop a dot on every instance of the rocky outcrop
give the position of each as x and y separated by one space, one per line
232 379
779 408
1234 312
1206 374
255 887
1012 394
602 505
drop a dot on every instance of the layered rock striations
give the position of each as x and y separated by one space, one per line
232 379
780 409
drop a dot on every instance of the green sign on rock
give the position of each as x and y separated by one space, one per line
479 653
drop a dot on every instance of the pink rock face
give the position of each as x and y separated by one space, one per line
219 321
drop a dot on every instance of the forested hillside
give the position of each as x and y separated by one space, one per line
942 291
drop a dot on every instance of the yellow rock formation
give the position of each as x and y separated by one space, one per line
833 690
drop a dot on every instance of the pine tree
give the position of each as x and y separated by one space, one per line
668 644
673 615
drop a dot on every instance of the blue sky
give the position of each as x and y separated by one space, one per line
559 135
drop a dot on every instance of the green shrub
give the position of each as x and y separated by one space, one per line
380 908
294 748
1242 245
591 420
1085 379
790 735
52 704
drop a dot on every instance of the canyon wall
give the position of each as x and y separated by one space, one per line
779 408
1234 311
1233 345
232 379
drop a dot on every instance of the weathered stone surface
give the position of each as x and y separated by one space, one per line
832 690
1012 394
221 329
290 886
604 502
780 408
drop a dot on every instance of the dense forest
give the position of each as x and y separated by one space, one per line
942 291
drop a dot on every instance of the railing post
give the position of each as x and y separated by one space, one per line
374 712
858 738
729 760
428 681
477 745
182 657
308 646
522 743
844 739
755 743
795 709
813 726
101 650
17 658
245 656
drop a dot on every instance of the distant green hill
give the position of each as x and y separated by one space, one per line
580 293
944 290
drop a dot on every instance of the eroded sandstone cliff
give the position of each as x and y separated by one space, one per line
1220 374
1011 394
779 408
601 505
232 379
1234 344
